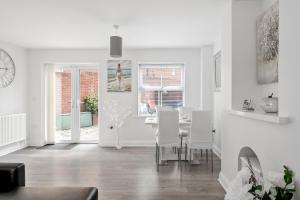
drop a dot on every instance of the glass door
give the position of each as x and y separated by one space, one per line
88 95
76 96
64 91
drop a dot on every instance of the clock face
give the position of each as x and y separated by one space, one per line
7 69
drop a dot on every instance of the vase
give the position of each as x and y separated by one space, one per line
270 104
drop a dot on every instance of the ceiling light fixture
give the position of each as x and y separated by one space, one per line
116 44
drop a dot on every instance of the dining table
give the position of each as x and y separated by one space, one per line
153 121
167 154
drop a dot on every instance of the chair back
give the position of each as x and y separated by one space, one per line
201 129
163 108
168 127
186 112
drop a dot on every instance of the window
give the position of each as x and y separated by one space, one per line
160 85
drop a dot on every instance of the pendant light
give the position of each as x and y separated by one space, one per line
115 44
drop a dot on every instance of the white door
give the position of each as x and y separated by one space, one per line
76 94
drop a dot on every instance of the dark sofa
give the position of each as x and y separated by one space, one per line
12 187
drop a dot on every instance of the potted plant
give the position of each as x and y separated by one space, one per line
91 105
282 188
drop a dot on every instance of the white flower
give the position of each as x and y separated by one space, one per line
260 192
238 189
273 193
276 178
239 193
291 186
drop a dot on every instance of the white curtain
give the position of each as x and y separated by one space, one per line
51 104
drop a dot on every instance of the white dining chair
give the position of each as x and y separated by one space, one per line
167 134
163 108
201 136
186 112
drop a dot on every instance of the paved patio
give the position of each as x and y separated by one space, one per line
86 134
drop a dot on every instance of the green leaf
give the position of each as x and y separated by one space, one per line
288 179
285 193
288 196
91 103
259 188
291 190
266 197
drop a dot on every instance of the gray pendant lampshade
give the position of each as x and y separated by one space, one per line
115 46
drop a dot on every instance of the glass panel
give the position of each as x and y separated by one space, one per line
148 101
63 87
171 77
160 85
89 129
172 99
150 77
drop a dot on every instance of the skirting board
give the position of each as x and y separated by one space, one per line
223 181
217 151
12 147
36 143
128 144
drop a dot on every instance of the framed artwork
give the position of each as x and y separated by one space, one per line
217 71
119 75
267 45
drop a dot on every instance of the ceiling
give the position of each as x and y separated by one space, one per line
88 23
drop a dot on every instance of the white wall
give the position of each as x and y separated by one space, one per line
244 75
13 99
276 145
265 4
222 99
267 89
134 132
244 86
244 15
206 86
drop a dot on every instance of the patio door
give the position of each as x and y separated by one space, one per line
76 104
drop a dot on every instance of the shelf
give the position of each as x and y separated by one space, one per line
271 118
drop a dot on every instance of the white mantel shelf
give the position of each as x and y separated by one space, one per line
271 118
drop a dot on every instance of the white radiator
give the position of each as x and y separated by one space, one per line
12 128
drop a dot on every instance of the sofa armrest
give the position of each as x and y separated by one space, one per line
51 193
12 175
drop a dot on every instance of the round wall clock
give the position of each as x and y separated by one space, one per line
7 69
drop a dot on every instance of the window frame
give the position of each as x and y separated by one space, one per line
159 64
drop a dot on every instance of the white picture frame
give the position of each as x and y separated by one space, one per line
217 71
119 76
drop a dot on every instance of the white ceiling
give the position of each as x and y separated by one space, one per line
88 23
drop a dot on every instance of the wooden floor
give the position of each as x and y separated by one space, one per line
127 174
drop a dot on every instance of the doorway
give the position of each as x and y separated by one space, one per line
75 96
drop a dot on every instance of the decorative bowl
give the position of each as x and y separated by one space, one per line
270 105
